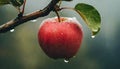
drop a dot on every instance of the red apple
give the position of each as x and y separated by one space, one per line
60 39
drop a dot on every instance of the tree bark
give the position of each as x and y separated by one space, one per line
18 21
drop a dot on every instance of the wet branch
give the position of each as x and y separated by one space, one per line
18 21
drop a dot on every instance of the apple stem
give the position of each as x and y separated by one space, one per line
55 9
58 16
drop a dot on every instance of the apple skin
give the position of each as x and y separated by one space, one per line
60 39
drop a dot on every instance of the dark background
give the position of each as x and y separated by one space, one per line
20 49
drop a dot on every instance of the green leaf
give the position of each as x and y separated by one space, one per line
3 2
90 15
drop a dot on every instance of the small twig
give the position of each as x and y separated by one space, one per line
18 21
60 2
23 8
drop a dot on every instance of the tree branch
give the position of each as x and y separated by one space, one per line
18 21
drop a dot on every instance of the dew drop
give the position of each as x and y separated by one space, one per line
93 36
12 30
95 30
66 61
74 56
34 20
61 33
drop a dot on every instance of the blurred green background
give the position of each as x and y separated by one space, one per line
20 49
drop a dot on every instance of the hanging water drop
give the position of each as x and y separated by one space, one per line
12 30
74 56
93 36
66 61
34 20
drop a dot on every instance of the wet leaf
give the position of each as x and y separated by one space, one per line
90 15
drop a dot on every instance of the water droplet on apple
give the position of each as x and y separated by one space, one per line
74 56
93 36
12 30
35 20
66 61
61 33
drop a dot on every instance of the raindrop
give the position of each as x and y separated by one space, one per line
66 61
93 36
12 30
74 56
34 20
61 33
95 30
